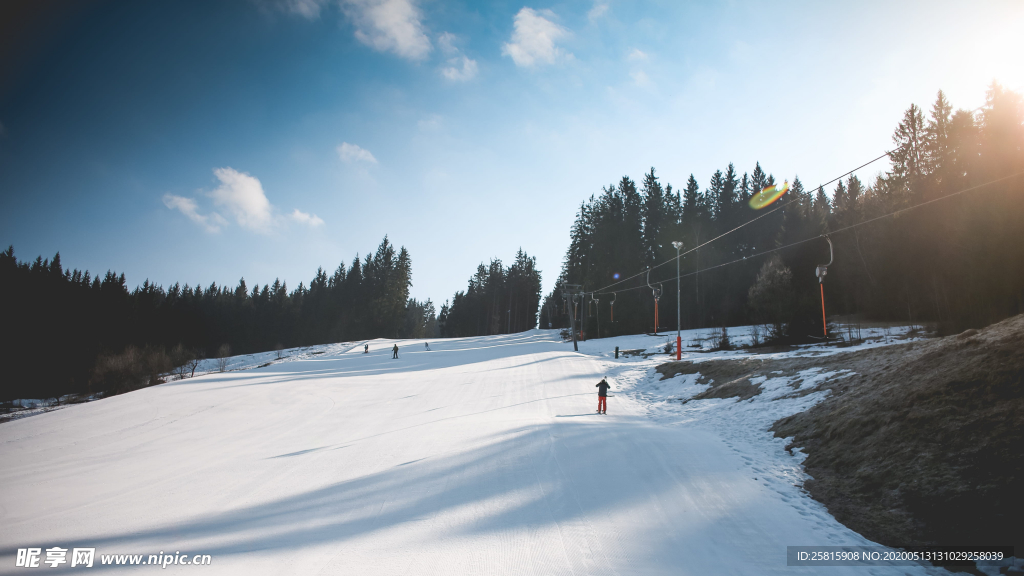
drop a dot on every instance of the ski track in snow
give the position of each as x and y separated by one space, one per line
480 456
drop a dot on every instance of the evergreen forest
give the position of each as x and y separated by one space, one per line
498 300
60 324
938 237
903 250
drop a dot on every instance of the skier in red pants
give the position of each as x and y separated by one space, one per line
602 396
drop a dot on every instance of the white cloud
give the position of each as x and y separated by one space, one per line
242 195
640 78
446 42
432 122
210 222
309 9
533 38
351 153
311 220
598 10
389 26
636 54
459 67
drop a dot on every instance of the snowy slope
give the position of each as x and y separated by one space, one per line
481 456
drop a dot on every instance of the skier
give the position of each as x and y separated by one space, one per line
366 348
394 352
602 396
427 344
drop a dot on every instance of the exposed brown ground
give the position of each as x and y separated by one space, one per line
924 445
728 378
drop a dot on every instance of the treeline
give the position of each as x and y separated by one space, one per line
59 324
498 300
959 261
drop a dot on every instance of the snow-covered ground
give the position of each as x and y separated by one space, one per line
479 456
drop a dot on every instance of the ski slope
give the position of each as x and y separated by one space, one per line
480 456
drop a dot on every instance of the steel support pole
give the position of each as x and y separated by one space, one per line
655 316
824 323
679 317
572 328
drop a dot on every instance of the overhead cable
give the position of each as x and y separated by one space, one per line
833 232
747 223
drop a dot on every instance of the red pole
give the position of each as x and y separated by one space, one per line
824 325
655 315
679 347
575 311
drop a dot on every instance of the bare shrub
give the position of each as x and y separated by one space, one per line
720 339
771 298
223 353
193 363
179 355
279 351
185 361
131 369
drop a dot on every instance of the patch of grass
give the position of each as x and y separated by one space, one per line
923 445
728 378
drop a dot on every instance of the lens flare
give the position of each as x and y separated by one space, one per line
768 195
615 276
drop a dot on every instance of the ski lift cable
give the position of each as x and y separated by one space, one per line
751 221
783 205
830 233
779 207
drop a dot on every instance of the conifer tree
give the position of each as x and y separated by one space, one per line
715 195
909 159
727 197
758 179
691 196
653 215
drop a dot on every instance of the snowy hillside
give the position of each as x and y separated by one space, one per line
479 456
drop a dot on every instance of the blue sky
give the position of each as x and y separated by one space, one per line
207 141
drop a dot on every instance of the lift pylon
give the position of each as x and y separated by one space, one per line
820 272
657 295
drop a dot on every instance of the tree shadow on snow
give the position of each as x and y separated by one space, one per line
526 478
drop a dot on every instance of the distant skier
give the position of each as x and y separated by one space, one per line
394 352
366 348
427 344
602 396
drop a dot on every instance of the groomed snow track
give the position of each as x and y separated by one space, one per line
480 456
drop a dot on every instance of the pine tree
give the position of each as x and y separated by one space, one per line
938 146
909 160
758 179
745 189
715 193
691 196
839 199
821 210
727 196
653 216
